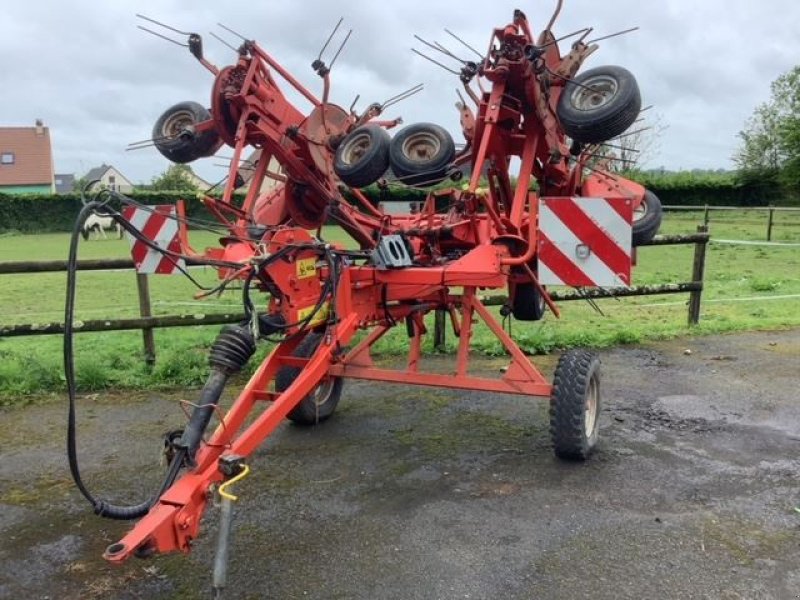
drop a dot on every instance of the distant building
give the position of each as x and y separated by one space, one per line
65 183
109 178
26 160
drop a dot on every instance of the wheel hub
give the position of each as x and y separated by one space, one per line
594 93
421 147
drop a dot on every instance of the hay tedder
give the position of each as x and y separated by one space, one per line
536 207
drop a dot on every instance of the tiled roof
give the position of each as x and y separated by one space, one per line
97 172
32 157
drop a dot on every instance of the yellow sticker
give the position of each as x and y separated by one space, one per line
321 315
306 267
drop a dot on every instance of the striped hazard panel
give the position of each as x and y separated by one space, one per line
158 224
585 241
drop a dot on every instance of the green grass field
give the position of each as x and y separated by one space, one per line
747 287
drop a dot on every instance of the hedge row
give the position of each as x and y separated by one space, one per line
42 213
49 213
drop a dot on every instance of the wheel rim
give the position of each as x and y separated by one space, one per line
355 148
640 211
590 415
177 123
594 93
421 147
322 393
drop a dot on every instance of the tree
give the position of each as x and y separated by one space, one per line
635 147
770 145
177 178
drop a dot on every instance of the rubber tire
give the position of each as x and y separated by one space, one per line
185 149
414 172
371 165
575 372
529 304
607 121
646 228
307 412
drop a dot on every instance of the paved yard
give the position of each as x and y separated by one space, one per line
423 493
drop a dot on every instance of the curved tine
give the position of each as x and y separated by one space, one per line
555 16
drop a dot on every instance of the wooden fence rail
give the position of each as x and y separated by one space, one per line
147 322
707 209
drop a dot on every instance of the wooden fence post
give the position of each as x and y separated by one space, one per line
143 286
769 222
439 326
698 271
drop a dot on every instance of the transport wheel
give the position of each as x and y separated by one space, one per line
646 219
421 153
575 405
362 157
319 405
599 104
529 304
175 138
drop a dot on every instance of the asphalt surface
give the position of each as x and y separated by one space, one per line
425 493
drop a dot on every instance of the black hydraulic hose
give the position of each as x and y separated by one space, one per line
101 507
202 413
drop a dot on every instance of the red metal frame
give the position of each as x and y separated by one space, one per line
487 239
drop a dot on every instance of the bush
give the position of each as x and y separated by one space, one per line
47 213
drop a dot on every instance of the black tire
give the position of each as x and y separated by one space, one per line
319 405
575 405
362 157
592 117
528 304
421 153
647 219
175 138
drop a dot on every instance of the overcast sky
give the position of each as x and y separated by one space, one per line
99 83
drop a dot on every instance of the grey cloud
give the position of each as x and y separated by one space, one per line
100 83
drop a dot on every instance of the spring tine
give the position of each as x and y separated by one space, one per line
353 105
605 37
451 34
436 62
164 25
585 35
564 37
620 147
629 133
223 41
403 95
648 107
450 54
341 47
330 37
229 30
163 37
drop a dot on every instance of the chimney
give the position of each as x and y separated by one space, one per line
39 127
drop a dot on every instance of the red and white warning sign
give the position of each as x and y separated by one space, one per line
158 224
585 241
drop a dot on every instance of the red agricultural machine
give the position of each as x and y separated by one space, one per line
536 208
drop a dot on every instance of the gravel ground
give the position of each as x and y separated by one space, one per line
426 493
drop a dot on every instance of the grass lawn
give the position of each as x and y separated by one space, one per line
747 287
